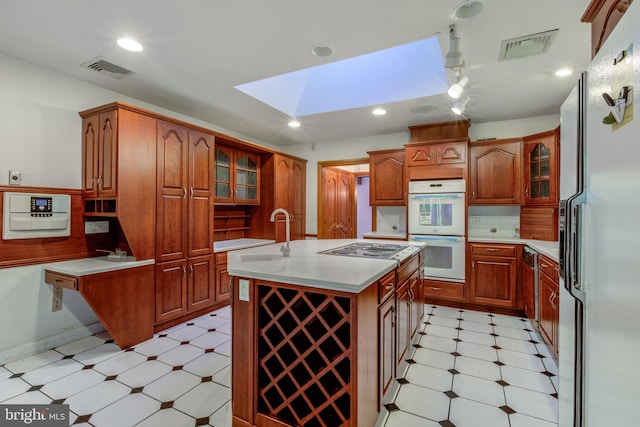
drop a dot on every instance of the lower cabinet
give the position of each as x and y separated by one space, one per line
222 278
387 328
528 288
183 287
548 295
494 274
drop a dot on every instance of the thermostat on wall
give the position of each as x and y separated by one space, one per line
30 216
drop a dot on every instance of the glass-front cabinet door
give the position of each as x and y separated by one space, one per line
236 176
541 169
223 188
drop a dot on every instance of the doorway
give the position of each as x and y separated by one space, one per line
343 199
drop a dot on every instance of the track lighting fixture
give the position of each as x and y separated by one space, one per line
456 89
459 106
453 59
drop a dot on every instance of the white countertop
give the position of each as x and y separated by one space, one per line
86 266
234 244
307 267
385 235
549 249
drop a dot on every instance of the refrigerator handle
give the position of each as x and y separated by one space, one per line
573 276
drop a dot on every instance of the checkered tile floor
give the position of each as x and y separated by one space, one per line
470 369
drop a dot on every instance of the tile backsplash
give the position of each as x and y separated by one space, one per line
391 219
494 221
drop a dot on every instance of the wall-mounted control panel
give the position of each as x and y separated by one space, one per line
30 216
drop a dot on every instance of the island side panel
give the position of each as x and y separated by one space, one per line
243 344
365 334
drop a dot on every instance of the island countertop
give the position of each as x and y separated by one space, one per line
307 267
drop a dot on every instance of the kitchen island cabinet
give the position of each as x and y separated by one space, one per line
549 292
307 348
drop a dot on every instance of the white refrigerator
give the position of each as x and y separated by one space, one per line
599 331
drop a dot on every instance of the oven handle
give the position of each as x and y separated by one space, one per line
432 239
436 196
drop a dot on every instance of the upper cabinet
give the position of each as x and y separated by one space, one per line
290 181
387 178
541 169
99 154
236 176
603 15
441 159
495 175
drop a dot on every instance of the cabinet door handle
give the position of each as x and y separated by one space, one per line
184 193
526 191
473 194
184 270
191 270
230 287
389 287
435 289
99 183
492 250
543 265
191 192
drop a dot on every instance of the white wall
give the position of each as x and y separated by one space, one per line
355 148
41 136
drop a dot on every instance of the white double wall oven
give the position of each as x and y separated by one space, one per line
436 216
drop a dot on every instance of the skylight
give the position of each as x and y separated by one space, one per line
404 72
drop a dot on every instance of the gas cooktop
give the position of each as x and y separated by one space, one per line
374 250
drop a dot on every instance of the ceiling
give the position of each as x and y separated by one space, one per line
196 51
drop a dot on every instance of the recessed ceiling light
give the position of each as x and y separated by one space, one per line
379 112
294 124
564 72
130 44
321 50
468 9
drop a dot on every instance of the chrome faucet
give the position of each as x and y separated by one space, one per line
285 250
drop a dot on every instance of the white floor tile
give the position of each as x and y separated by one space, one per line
521 360
156 346
513 344
187 333
477 338
212 322
104 335
207 364
29 398
423 402
126 412
224 312
223 376
224 349
467 413
81 345
551 365
210 340
34 362
222 417
446 312
509 322
444 321
403 419
97 397
171 386
144 373
478 368
203 400
532 403
478 389
168 418
475 316
468 325
120 363
97 354
527 379
504 331
180 356
437 359
12 387
441 331
543 349
71 384
428 376
477 351
225 329
52 372
521 420
438 343
555 380
4 373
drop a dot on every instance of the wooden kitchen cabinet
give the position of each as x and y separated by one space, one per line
99 154
442 159
387 337
387 178
236 176
495 172
548 301
528 288
494 274
222 277
541 168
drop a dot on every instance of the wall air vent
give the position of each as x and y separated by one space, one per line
102 66
521 47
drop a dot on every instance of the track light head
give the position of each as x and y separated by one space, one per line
459 106
456 89
453 58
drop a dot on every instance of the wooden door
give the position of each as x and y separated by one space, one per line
387 186
336 205
107 154
494 280
495 173
200 205
387 331
171 223
171 290
90 147
201 291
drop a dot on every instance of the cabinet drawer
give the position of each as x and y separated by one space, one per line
407 269
387 286
444 290
221 258
497 250
548 267
62 280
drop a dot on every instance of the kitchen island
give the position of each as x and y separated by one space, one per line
316 338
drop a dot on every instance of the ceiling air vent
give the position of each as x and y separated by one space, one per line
521 47
107 68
